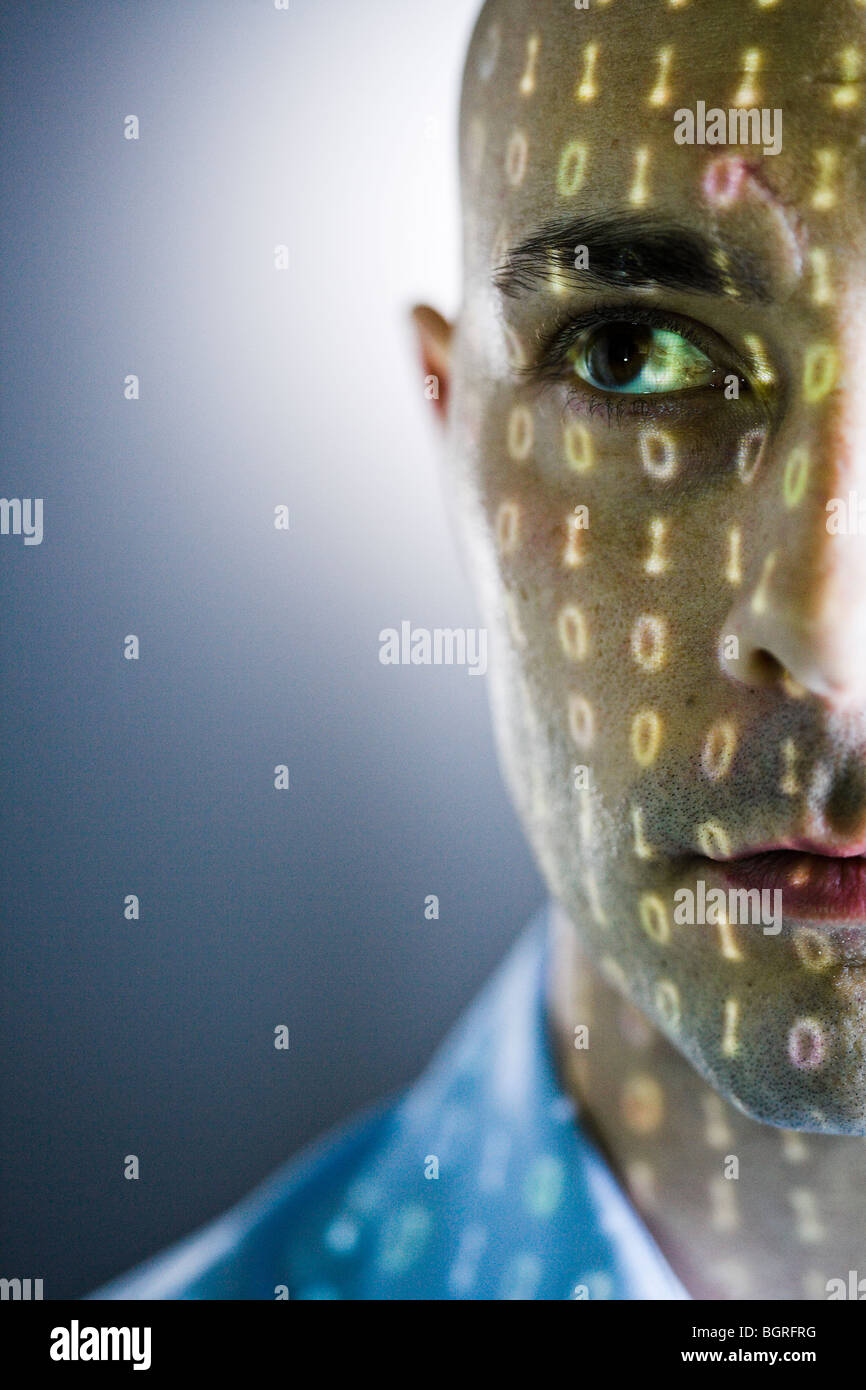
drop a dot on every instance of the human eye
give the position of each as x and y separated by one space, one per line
638 359
637 351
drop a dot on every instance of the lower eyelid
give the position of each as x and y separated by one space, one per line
592 402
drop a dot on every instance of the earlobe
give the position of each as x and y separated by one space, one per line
435 335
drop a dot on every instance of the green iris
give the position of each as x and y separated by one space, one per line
637 359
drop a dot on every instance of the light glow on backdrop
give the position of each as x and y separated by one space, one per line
329 128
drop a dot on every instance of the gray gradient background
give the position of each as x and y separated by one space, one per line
330 128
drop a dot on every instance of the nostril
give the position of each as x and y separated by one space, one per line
762 668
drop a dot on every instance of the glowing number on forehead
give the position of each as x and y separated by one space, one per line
572 168
851 63
713 840
806 1045
718 751
573 556
796 477
659 455
819 372
580 720
578 448
667 999
656 563
648 644
571 626
527 81
730 1041
508 527
723 180
824 195
586 89
748 91
516 158
661 92
521 433
639 193
646 737
750 454
733 572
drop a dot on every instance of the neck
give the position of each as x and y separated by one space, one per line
740 1209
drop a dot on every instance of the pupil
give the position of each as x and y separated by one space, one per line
618 353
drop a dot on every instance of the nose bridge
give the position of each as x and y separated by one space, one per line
839 448
807 606
822 466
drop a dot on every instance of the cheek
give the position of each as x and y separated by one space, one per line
618 553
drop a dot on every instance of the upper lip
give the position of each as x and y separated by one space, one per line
798 846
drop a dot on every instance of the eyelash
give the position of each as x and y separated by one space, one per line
551 364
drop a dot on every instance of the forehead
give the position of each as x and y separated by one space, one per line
569 110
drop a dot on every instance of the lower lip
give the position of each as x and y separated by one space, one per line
813 886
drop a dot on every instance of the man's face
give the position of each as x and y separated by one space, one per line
656 399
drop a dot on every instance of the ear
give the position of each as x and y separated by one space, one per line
435 336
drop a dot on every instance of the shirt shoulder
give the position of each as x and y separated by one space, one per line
237 1255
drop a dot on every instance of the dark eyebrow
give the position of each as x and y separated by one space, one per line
629 250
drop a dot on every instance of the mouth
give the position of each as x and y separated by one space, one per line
817 883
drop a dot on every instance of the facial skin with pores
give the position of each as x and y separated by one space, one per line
627 512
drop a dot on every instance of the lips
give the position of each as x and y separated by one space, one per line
829 887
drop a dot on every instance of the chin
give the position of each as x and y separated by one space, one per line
834 1103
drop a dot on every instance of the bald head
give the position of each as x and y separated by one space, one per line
565 106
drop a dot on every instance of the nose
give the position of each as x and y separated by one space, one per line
800 625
